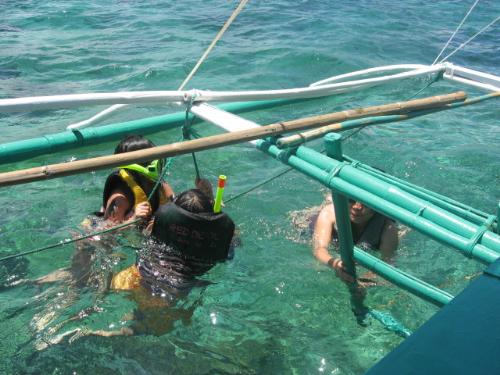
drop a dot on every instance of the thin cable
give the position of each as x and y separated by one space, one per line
455 32
428 84
187 131
471 38
202 59
65 242
258 185
197 170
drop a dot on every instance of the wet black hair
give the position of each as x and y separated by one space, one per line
134 143
194 201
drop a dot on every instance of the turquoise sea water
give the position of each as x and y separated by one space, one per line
273 308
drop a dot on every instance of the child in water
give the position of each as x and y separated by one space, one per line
125 198
126 190
187 240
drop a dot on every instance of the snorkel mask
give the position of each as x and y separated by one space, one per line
152 171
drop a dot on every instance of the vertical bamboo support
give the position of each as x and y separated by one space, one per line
333 146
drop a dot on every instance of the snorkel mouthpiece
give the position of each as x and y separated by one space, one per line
152 171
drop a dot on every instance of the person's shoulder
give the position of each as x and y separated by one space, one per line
326 214
390 228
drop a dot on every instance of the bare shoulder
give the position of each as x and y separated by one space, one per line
389 240
391 227
326 217
327 213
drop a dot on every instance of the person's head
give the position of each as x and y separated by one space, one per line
133 143
194 201
150 169
359 213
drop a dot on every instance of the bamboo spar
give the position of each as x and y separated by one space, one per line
179 148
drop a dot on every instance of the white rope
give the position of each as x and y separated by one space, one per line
97 117
471 38
216 39
108 111
363 72
455 32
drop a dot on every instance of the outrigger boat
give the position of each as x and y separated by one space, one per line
464 334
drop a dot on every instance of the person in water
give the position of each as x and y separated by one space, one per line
125 198
126 191
187 228
187 239
370 230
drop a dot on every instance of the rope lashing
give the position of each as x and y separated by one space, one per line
389 322
335 171
474 240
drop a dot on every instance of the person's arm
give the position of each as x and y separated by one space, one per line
168 191
141 211
389 241
323 232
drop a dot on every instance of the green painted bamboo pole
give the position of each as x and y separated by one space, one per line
458 208
382 205
343 223
405 281
25 149
404 199
408 282
16 151
341 207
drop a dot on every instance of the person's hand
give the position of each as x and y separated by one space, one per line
142 211
149 227
205 186
365 281
368 279
340 271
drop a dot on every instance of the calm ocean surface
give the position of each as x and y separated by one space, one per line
272 309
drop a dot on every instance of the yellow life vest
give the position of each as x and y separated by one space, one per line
139 194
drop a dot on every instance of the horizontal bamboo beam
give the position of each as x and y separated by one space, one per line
299 138
179 148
